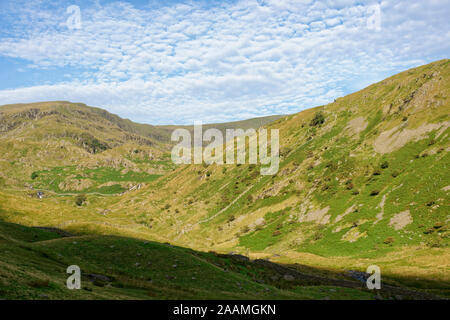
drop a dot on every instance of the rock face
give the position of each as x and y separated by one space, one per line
71 184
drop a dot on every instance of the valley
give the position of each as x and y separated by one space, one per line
362 181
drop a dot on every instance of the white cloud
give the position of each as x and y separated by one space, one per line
184 62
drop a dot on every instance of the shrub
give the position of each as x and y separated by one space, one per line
231 218
318 119
34 175
388 240
384 164
276 233
374 192
395 174
80 199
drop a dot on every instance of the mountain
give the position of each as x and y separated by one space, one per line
62 145
362 181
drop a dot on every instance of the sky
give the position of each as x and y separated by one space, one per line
176 62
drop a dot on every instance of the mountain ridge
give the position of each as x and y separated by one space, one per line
363 180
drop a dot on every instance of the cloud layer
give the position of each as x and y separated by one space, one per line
186 61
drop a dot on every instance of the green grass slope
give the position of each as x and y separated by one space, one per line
34 263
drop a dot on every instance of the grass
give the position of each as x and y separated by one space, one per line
134 269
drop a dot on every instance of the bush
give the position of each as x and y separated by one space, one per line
80 199
384 165
34 175
276 233
318 119
395 174
389 240
374 193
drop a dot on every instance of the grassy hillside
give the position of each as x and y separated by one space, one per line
362 181
34 262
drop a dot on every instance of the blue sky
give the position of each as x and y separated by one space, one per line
174 62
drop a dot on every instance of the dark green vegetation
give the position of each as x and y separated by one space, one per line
34 262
